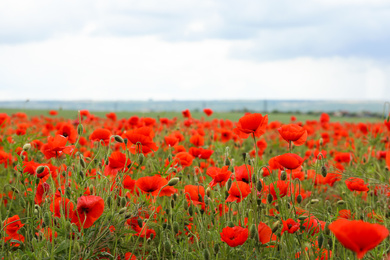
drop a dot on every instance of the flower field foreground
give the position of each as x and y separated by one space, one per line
183 188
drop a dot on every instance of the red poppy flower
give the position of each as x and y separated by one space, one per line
183 158
15 236
265 233
290 226
289 160
200 153
197 140
293 133
234 236
251 124
358 236
388 159
208 111
53 112
238 191
89 209
194 194
153 184
186 113
219 175
14 224
67 130
111 116
116 162
243 173
356 184
142 139
63 205
171 140
56 146
312 225
282 187
100 134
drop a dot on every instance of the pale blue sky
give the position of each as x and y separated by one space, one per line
195 49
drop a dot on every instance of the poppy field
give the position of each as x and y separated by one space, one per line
185 188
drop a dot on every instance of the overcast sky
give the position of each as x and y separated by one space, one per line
194 49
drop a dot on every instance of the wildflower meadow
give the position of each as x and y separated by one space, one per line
185 188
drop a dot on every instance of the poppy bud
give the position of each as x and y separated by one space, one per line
123 202
206 254
216 248
68 192
302 217
109 201
40 169
253 178
269 198
172 203
80 129
320 240
230 224
191 210
259 186
126 141
26 147
283 176
275 226
119 139
82 162
227 162
340 202
253 231
299 199
140 222
175 227
122 210
244 156
173 181
208 191
22 203
229 184
314 201
167 246
185 205
141 158
169 158
324 172
46 218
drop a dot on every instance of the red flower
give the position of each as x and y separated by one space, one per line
293 133
53 112
200 153
89 209
186 113
238 191
290 226
184 159
208 111
220 176
197 140
356 184
153 184
289 160
234 236
251 124
116 162
67 130
100 134
195 194
12 225
142 138
55 147
265 233
243 173
358 236
63 205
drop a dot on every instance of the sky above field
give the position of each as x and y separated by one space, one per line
194 49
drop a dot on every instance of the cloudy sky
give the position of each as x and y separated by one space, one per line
194 49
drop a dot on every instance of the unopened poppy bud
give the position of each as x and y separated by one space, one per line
227 162
26 147
275 226
302 217
140 222
80 129
340 202
36 212
320 240
141 158
46 218
269 198
200 199
167 246
185 205
299 198
68 192
314 201
40 169
172 203
206 254
253 178
283 176
109 201
22 203
175 227
230 224
244 156
122 210
259 186
327 230
191 210
229 184
324 172
208 191
82 162
216 248
123 202
173 181
253 231
119 139
14 189
76 246
169 158
321 141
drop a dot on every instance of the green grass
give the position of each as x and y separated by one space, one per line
233 116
